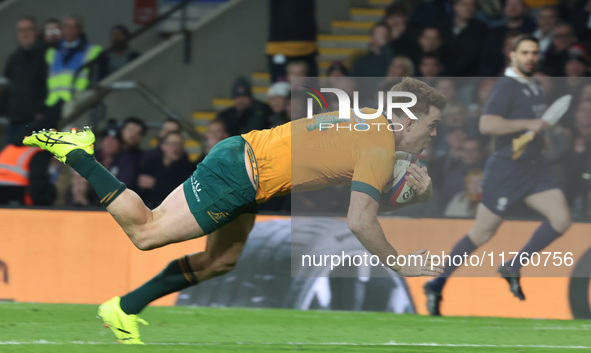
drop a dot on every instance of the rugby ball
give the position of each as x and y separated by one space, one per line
398 192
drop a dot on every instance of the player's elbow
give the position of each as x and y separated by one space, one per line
358 225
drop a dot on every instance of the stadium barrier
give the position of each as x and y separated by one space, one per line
55 256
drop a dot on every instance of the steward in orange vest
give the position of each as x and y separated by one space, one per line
24 178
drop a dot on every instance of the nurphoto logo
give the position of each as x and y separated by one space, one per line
345 103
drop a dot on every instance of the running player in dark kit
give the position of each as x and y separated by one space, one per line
515 172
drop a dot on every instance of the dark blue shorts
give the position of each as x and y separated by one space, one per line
506 182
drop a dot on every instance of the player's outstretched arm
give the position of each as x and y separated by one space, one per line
497 125
363 222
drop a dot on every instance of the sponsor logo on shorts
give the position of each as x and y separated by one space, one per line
196 186
502 203
217 216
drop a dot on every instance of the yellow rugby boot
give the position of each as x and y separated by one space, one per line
125 327
62 143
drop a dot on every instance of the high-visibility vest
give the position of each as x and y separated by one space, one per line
61 75
15 165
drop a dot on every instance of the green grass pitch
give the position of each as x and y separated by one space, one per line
67 328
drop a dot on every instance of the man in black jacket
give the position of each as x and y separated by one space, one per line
247 114
463 36
26 71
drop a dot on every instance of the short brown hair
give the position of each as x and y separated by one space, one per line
427 96
522 38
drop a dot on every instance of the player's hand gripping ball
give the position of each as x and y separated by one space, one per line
400 191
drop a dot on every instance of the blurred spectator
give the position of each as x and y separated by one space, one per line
374 63
481 95
71 53
80 193
278 96
471 157
516 18
132 132
464 203
403 36
576 66
296 106
579 160
581 18
547 20
24 175
216 132
538 4
447 87
401 66
463 37
159 176
490 12
430 66
337 69
426 13
247 114
338 77
121 163
448 153
27 72
557 54
170 125
297 69
52 33
121 53
430 41
292 36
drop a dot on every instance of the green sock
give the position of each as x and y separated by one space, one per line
102 181
175 277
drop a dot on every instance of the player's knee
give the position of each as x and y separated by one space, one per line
561 224
480 236
143 243
143 239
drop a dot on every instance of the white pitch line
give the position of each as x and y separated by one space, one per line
415 344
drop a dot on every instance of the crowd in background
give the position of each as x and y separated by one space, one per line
457 46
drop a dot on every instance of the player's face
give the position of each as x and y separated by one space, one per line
526 58
422 130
